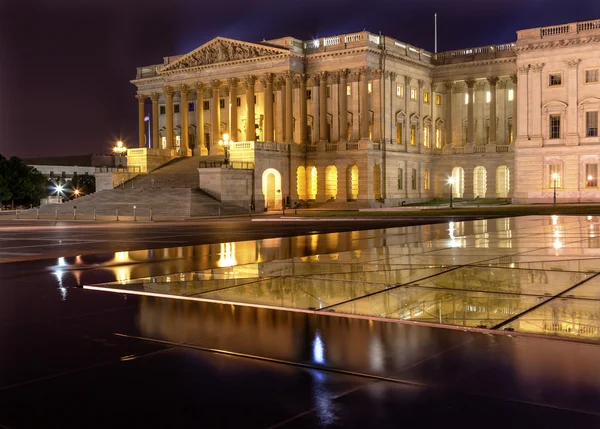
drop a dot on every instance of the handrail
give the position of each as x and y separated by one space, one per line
238 165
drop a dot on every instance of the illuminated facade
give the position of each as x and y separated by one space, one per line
360 120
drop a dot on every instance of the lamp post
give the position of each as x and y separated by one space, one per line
225 143
451 182
119 150
554 180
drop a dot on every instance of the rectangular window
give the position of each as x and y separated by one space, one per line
413 94
238 101
309 94
413 179
488 96
162 109
438 138
348 89
221 103
510 133
400 179
399 132
426 180
554 126
399 90
206 105
413 135
591 175
591 124
369 88
176 108
555 79
163 142
426 136
438 100
426 97
511 94
191 107
591 76
555 175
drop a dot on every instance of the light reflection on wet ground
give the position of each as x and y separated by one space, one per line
534 274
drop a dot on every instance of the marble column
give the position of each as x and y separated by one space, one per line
343 97
420 137
535 78
407 124
250 115
448 124
470 122
169 90
280 127
515 103
335 104
289 125
183 113
267 82
493 80
200 138
501 99
572 110
155 139
364 103
232 84
215 120
323 107
141 125
303 109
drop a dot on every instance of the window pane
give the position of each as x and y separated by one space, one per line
591 124
591 175
554 126
591 76
555 79
555 175
511 94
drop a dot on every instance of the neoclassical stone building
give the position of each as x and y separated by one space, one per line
366 120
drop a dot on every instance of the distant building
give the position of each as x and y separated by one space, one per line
369 120
64 167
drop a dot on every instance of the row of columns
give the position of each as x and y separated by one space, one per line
493 81
287 84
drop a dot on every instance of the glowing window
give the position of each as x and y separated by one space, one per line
488 96
438 138
413 135
511 94
438 100
426 180
426 97
426 136
413 94
369 88
399 90
348 89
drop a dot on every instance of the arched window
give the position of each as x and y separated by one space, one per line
479 182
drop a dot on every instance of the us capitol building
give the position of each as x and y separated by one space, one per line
359 120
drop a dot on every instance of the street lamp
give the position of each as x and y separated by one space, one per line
451 182
554 180
76 192
225 143
119 150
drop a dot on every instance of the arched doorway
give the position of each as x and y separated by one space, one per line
271 189
376 182
301 182
352 182
311 182
458 176
502 181
331 187
479 182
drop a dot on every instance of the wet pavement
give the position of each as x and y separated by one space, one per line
83 358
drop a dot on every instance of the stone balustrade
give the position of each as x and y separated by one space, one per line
564 30
471 54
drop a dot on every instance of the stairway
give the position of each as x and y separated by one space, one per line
170 190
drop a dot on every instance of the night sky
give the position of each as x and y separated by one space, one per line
65 65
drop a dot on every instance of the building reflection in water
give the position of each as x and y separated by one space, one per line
477 274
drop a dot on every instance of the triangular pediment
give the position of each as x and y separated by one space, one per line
222 50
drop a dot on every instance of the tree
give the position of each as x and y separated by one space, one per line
20 182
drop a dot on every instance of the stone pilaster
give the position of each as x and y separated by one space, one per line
573 96
250 115
420 137
303 78
141 125
169 90
155 140
183 113
535 79
200 138
515 104
232 84
335 106
364 103
279 85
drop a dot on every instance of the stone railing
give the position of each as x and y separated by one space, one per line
376 146
551 31
311 148
148 71
238 165
351 145
560 31
267 146
470 54
588 25
502 148
331 147
478 149
131 169
340 42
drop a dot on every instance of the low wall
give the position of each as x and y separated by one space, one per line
227 185
111 180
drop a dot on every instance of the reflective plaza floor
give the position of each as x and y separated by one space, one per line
536 275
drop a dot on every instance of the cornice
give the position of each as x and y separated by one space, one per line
470 64
557 44
223 65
